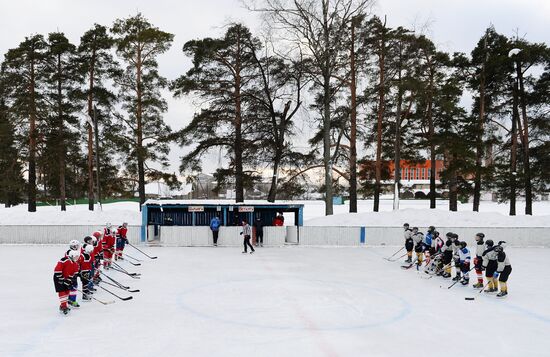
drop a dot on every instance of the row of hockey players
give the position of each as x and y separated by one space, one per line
84 261
439 255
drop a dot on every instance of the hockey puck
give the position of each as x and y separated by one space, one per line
469 298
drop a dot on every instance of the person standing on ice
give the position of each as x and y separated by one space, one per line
97 257
409 243
64 276
74 245
447 251
490 265
121 240
108 245
215 224
504 269
464 260
259 227
456 257
418 239
478 260
85 263
247 233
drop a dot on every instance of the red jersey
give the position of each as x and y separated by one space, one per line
85 262
121 232
108 241
66 268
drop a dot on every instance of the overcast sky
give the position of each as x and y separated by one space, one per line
454 25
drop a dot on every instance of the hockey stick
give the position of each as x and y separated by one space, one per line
112 293
124 270
114 281
100 301
141 251
453 284
389 258
396 259
131 262
129 256
121 288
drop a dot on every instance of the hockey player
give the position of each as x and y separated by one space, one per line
108 246
456 258
85 263
121 240
478 260
428 239
418 239
64 276
409 243
464 259
504 268
447 252
490 265
97 256
74 245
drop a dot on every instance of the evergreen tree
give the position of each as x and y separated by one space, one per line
23 69
143 132
223 69
97 66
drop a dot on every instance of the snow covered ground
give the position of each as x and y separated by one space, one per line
291 301
412 211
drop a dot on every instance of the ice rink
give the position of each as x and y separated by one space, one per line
291 301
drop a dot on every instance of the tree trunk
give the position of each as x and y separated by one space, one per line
239 187
327 160
90 136
431 133
353 133
273 189
139 131
381 99
526 159
513 153
453 188
31 190
61 138
397 144
479 139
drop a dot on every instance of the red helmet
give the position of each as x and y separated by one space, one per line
98 234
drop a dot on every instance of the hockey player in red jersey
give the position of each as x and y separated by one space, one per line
74 245
64 277
86 263
97 256
108 245
121 240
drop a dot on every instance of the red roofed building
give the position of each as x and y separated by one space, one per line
412 171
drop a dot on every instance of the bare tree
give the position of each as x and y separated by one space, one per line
318 27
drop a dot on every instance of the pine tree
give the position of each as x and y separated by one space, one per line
222 72
23 68
143 131
97 66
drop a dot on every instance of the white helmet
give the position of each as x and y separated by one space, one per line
108 225
74 244
88 248
74 255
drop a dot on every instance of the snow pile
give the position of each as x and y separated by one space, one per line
116 213
427 217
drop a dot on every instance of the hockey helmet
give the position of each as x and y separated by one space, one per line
405 225
415 229
74 244
489 243
480 235
498 248
431 229
463 244
436 234
88 240
455 236
449 234
108 225
98 234
125 224
74 255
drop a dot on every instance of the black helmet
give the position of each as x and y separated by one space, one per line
463 244
415 229
455 236
449 234
489 243
431 228
436 234
406 225
498 248
88 240
480 235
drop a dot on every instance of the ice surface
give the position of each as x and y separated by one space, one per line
291 301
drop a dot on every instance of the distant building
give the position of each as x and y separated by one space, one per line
413 171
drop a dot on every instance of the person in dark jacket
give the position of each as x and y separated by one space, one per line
215 224
259 227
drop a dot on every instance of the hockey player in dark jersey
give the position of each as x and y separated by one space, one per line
504 269
464 258
478 260
418 239
447 251
85 263
490 265
64 276
456 259
409 243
